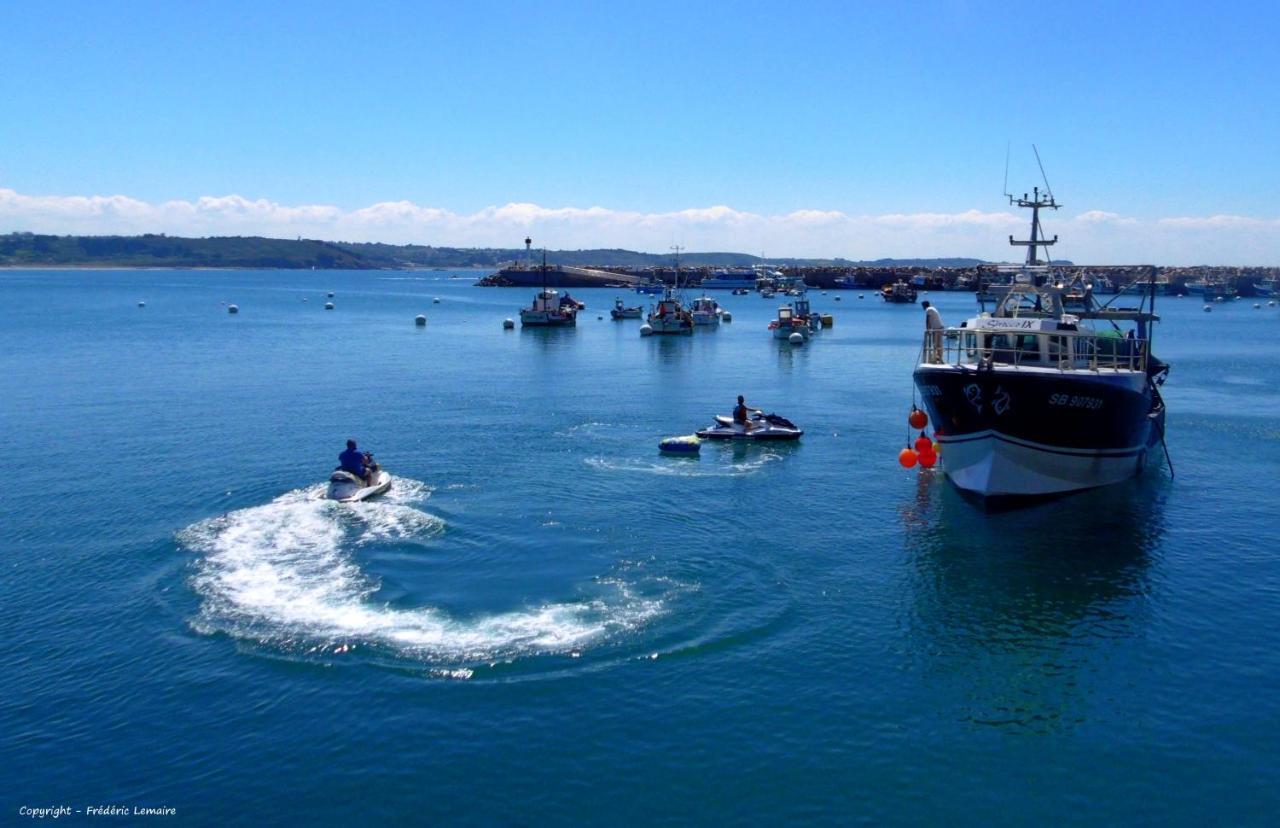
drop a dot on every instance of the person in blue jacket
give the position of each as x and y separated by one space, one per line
359 463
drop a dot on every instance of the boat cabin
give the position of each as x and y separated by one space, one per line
548 301
1060 344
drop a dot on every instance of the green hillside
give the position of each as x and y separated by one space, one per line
151 250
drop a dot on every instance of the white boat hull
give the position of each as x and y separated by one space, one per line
664 326
547 319
991 464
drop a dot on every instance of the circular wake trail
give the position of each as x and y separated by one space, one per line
283 574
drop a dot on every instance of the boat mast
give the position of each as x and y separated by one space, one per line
677 248
544 273
1037 233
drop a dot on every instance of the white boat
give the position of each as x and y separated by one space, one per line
760 428
621 311
345 487
669 316
549 308
706 311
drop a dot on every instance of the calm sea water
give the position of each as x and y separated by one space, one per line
546 621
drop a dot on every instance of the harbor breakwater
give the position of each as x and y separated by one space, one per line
1170 280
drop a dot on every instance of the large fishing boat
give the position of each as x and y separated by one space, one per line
1033 399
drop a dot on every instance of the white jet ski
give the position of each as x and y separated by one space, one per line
761 427
345 487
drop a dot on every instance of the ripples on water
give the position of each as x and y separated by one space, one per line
760 633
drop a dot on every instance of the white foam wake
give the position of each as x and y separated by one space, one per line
282 573
683 466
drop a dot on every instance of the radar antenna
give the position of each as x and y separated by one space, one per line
1047 188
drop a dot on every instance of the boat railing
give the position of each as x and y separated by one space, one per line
1063 350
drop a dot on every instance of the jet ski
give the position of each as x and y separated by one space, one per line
761 427
345 487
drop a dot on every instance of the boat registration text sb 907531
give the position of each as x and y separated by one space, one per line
1075 401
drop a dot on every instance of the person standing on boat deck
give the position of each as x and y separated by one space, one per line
356 462
933 327
740 414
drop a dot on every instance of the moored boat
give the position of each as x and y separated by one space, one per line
621 311
670 316
705 311
549 308
899 293
1034 400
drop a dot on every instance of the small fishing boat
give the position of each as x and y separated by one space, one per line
620 311
670 316
706 311
549 308
899 293
787 323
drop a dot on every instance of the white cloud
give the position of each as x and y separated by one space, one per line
1093 236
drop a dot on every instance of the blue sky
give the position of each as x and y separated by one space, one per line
1143 111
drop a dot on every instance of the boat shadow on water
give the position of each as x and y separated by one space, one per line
1025 608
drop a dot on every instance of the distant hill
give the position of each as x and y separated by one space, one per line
18 249
152 250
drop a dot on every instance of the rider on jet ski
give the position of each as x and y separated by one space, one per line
359 463
741 414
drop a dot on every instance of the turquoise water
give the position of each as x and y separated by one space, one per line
546 621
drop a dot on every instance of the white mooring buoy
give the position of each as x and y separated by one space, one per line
420 320
726 317
508 324
796 339
435 301
142 304
646 330
232 309
328 306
